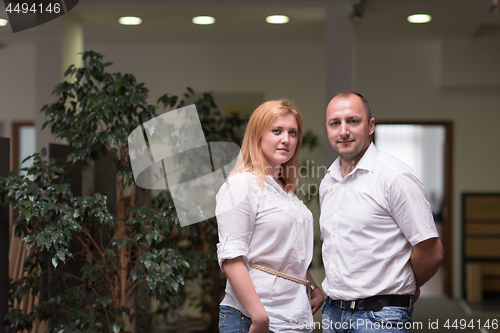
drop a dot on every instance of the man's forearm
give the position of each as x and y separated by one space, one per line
425 259
317 298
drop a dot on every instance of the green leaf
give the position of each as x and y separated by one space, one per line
68 71
147 263
116 328
61 255
106 113
29 245
60 188
90 117
106 301
44 152
27 215
89 257
149 238
120 242
111 253
118 85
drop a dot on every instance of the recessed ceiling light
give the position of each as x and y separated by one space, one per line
277 19
203 20
419 18
130 20
3 22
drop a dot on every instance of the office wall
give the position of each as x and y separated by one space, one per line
294 71
17 85
412 81
277 70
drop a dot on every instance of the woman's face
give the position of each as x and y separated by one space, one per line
279 140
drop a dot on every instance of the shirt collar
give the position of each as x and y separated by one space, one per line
367 162
369 159
334 170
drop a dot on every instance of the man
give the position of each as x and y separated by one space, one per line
380 242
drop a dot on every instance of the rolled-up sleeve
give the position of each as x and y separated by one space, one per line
235 211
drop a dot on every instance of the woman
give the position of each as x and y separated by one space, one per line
265 231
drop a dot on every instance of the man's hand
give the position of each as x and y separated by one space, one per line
317 300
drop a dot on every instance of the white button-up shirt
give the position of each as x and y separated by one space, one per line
370 220
272 228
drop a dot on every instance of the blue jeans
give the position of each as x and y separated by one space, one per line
390 319
233 321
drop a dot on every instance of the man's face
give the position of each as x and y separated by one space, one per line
348 127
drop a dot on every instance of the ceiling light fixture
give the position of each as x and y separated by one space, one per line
277 19
419 18
3 22
130 20
203 20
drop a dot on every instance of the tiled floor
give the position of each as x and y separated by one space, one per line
448 315
490 304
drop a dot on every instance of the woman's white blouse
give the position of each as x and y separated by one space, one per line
272 228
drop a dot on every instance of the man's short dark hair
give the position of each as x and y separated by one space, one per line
347 93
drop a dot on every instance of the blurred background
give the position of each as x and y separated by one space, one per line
434 89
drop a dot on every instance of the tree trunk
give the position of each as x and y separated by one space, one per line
124 258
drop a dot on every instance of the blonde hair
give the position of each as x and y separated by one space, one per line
251 157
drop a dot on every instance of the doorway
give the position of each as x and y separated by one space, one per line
23 144
426 147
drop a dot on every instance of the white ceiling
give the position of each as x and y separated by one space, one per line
243 20
450 19
236 21
240 20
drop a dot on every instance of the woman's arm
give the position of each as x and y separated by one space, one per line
317 298
238 277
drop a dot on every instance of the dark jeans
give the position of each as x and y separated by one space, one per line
388 320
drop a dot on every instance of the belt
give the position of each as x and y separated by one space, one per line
375 303
284 276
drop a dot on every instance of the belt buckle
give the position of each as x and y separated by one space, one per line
344 305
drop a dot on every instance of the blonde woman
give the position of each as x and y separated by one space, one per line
265 232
